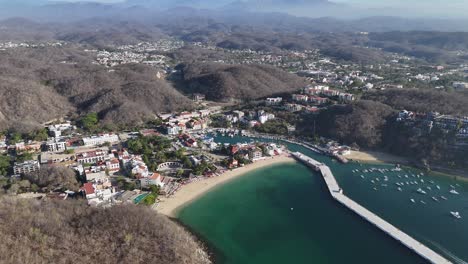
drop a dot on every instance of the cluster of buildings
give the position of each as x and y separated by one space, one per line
13 45
251 152
144 53
175 124
251 118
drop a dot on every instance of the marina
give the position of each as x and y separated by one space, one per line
337 193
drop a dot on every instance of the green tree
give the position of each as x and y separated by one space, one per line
24 157
15 138
89 121
4 165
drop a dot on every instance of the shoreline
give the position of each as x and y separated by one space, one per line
190 192
376 157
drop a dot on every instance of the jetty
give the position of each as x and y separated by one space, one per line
337 193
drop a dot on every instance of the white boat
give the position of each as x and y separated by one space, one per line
412 200
375 189
362 176
399 189
372 181
377 179
429 188
454 192
421 191
456 214
443 198
438 187
435 199
384 185
423 202
422 180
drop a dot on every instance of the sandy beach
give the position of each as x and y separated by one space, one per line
374 156
189 192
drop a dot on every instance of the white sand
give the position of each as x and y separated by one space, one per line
374 156
191 191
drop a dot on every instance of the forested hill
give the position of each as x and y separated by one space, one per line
38 85
222 82
423 101
70 231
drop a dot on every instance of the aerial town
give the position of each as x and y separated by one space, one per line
114 167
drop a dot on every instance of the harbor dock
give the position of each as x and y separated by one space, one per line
337 193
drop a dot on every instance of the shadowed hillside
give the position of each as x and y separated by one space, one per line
221 82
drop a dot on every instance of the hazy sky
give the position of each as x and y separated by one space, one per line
418 8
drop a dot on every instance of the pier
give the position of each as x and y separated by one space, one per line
337 193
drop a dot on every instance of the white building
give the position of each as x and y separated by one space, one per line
293 107
26 167
57 129
113 165
265 117
346 97
300 97
100 140
273 101
56 145
91 157
460 86
172 129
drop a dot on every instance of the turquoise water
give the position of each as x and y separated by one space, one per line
139 198
250 220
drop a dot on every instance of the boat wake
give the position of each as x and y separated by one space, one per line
448 253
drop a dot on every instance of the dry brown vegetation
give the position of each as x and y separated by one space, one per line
34 231
221 81
38 85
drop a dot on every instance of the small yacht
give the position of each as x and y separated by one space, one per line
421 191
438 187
362 176
423 202
372 181
399 189
454 192
412 200
431 182
456 214
443 198
435 199
429 188
422 180
375 189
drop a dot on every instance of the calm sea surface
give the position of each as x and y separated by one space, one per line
284 214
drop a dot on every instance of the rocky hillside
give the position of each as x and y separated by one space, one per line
222 82
68 232
38 85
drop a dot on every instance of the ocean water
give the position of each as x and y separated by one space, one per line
284 214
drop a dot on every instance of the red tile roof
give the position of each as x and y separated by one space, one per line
88 188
